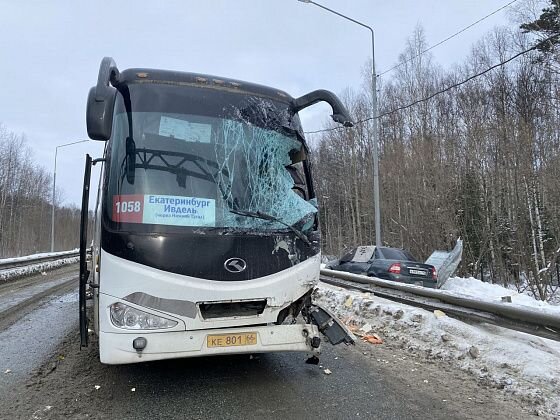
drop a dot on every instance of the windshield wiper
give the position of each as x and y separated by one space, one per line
266 216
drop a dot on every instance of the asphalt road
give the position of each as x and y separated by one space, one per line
51 378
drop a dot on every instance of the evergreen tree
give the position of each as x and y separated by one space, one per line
547 25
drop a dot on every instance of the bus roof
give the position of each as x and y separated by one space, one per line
177 78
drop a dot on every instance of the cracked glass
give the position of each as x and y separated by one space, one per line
207 166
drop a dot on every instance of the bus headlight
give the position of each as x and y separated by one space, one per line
124 316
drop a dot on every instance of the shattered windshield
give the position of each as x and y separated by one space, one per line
196 170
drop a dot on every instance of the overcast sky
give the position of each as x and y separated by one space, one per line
50 53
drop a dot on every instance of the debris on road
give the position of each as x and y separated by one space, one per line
133 389
97 387
372 339
327 371
366 328
439 314
8 371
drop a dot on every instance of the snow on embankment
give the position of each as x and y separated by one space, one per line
474 288
32 257
11 273
521 364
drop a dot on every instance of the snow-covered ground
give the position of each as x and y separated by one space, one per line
37 256
521 364
471 287
35 268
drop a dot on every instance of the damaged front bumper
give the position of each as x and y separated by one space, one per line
120 349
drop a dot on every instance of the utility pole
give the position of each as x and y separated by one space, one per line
54 188
374 115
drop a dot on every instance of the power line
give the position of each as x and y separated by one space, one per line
446 39
448 88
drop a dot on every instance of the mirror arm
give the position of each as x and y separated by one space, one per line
108 75
340 113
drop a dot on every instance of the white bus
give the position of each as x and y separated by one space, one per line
206 238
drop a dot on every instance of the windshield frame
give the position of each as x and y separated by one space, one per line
126 103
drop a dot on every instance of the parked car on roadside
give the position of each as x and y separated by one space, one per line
386 263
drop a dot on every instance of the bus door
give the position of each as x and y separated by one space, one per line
84 272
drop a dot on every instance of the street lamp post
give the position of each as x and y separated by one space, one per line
54 188
374 120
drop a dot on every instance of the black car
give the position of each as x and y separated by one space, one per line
386 263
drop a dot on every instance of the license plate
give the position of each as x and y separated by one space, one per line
231 340
417 272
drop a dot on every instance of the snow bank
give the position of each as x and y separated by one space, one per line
474 288
36 256
521 364
12 273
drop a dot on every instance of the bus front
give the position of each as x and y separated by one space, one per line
207 236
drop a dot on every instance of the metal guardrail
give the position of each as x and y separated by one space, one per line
19 262
507 315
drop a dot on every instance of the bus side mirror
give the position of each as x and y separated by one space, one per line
99 115
101 102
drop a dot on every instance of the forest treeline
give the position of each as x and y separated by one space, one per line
480 161
26 203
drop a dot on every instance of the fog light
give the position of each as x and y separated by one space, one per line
139 343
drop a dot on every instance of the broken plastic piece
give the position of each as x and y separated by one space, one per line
313 360
366 328
372 339
439 313
329 325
